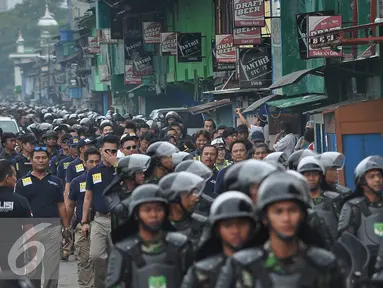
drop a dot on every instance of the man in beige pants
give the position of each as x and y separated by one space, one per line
85 267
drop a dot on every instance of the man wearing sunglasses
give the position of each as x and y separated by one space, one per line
73 153
97 180
64 153
23 162
45 195
128 145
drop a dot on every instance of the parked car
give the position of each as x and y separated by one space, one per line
193 123
9 125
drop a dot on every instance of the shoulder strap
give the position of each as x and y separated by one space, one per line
136 255
364 209
308 276
172 254
261 273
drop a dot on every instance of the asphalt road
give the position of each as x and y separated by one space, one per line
68 274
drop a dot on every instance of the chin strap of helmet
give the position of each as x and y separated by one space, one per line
151 228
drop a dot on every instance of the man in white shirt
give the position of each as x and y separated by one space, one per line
287 140
256 126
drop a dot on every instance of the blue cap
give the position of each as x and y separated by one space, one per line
84 142
257 136
73 142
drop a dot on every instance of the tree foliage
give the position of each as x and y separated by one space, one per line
23 17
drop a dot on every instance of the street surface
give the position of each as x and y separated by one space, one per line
68 274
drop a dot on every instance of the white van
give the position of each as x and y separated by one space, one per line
9 125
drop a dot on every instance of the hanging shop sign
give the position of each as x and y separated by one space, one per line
247 36
255 67
301 23
317 45
151 32
132 45
169 44
105 36
189 47
130 78
142 63
249 13
225 50
219 67
93 46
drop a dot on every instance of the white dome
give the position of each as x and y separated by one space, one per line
47 20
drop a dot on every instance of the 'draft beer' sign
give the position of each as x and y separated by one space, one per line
249 13
317 45
225 50
189 47
151 32
255 67
247 36
169 43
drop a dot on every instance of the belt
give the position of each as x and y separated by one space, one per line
99 214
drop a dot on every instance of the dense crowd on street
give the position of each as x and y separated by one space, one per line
141 204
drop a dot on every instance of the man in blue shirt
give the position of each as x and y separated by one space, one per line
64 153
92 158
76 167
45 195
63 165
97 180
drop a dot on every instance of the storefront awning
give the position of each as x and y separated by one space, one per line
259 103
235 91
294 77
333 107
296 101
209 106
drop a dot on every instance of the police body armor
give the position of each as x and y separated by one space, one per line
147 270
252 273
192 227
342 190
206 272
327 211
371 223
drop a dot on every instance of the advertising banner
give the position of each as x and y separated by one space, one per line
301 23
169 44
151 32
105 36
93 46
255 67
225 50
247 36
189 47
249 13
130 78
318 25
142 60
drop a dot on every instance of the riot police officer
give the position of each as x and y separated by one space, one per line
183 191
288 258
277 158
161 164
145 253
325 203
297 156
246 176
130 171
362 215
231 225
332 162
208 195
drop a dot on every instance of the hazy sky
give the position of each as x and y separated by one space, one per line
12 3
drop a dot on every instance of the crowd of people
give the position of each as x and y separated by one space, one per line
141 203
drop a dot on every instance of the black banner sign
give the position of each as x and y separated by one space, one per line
189 47
142 60
301 21
255 67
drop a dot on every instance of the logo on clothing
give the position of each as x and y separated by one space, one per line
66 164
157 282
97 178
378 229
27 181
6 206
79 168
82 186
